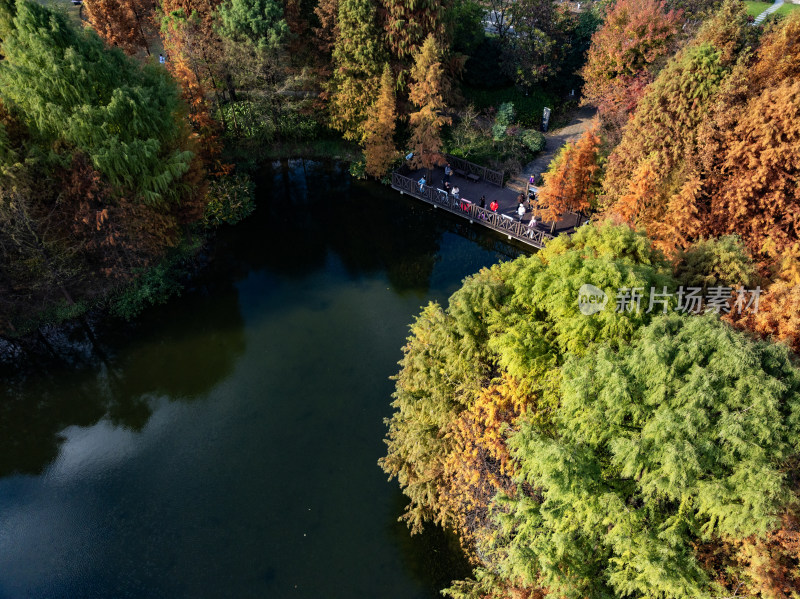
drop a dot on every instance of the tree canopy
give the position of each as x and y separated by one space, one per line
595 455
68 87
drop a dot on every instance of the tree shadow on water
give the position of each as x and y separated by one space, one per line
434 557
179 351
310 209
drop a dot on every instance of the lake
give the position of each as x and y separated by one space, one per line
225 444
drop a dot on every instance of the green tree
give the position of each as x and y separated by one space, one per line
520 319
463 22
258 22
540 42
679 438
712 262
358 59
631 453
67 86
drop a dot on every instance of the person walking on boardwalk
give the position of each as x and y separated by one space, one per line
494 206
483 201
447 172
521 211
532 225
456 191
421 184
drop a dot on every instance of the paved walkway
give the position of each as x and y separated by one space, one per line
505 196
580 122
760 18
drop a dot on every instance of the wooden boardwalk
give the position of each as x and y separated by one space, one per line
504 221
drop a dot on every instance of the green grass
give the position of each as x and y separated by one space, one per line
787 8
756 8
69 10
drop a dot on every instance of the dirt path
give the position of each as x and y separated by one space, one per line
581 119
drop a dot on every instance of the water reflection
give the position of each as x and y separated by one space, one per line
226 444
182 350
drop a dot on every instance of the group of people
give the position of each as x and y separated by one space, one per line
523 203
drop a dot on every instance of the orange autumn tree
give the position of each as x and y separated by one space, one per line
670 135
379 148
327 12
778 314
479 464
427 91
758 196
751 150
189 35
194 49
568 182
625 51
122 23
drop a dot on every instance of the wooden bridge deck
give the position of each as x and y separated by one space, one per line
505 220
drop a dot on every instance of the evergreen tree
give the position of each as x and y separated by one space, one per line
66 86
256 22
568 182
427 91
408 25
713 262
357 60
611 454
679 438
471 370
379 148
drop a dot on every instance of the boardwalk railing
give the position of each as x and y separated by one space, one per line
503 223
470 168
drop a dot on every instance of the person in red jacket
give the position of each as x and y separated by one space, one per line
494 206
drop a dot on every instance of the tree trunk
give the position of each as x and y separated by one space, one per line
231 87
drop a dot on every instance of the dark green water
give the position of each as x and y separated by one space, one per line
226 445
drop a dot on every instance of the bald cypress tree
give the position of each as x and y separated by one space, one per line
379 148
122 23
427 91
358 58
408 24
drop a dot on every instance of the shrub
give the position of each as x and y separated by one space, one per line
503 119
230 201
358 168
533 140
154 286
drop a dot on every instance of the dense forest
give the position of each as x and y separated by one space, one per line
643 453
626 453
128 127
